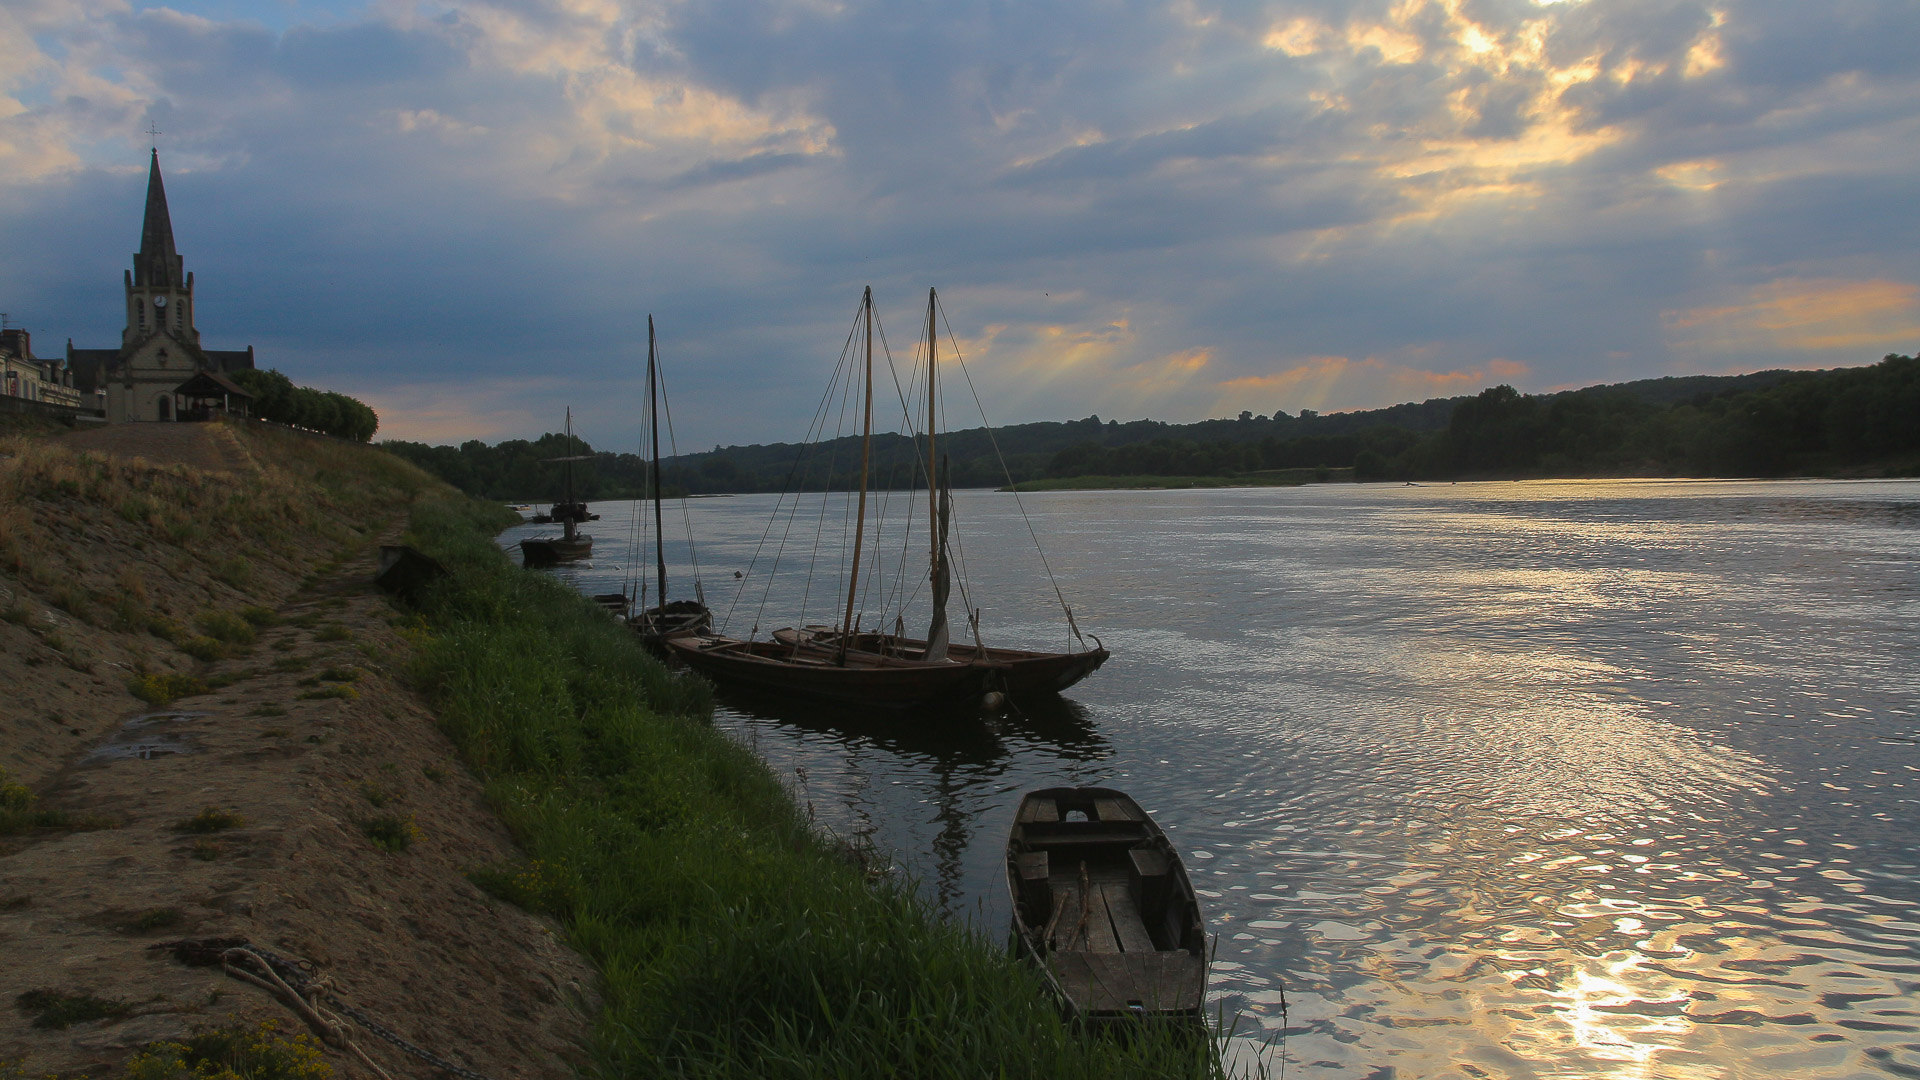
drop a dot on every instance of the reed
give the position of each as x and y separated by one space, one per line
732 939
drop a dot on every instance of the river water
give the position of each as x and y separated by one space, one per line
1544 779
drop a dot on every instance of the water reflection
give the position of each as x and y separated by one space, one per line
1571 779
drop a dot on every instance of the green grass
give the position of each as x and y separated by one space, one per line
56 1010
343 693
162 688
731 939
156 919
213 819
233 1050
390 832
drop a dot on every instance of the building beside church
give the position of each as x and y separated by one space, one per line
159 372
25 376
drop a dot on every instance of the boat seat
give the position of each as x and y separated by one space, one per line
1115 810
1034 890
1039 810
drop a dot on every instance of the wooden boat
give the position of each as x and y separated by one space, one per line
571 545
873 682
890 669
675 618
1102 904
1018 672
1015 672
838 674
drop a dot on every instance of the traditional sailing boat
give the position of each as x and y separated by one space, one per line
675 618
570 546
1018 672
836 671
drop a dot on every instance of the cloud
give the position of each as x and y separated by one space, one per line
467 208
1326 383
1817 317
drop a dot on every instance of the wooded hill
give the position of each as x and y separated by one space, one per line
1767 423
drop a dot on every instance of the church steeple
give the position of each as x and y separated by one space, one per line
159 290
157 263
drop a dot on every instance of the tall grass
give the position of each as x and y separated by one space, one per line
731 939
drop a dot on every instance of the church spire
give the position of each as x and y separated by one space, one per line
157 263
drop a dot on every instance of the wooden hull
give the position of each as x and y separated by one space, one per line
876 682
1103 905
550 550
1018 672
680 618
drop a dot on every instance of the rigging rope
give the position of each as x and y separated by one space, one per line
1011 486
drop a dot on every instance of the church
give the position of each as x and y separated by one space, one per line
160 372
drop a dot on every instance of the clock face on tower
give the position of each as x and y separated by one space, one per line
160 301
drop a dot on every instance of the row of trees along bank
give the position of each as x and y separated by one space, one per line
275 398
1849 420
1767 423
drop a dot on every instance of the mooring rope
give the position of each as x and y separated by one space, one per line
300 986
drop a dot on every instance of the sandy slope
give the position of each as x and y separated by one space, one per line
407 937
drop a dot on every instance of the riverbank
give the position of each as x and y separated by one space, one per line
732 937
427 803
209 732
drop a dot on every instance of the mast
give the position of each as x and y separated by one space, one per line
860 514
936 500
566 473
653 421
933 498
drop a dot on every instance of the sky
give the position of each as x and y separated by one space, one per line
463 211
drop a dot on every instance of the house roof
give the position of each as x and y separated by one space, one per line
210 384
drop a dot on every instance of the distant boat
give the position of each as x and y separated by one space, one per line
571 545
675 618
1103 907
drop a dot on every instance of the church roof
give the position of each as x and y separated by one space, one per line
157 262
90 366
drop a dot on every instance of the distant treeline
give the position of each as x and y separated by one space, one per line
1807 423
275 398
1767 423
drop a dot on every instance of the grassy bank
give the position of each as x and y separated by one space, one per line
1263 478
732 940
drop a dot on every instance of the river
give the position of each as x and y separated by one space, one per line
1542 779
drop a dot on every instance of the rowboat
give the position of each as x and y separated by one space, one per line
1102 905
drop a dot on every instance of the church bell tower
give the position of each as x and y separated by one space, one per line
159 292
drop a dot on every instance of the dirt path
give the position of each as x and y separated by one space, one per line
202 446
315 744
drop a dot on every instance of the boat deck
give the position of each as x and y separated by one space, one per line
1099 943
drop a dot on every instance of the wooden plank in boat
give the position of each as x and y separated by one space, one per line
1116 982
1039 810
1069 932
1099 937
1116 810
1128 928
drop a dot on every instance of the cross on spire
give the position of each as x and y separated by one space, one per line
154 133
